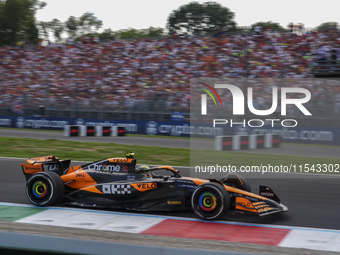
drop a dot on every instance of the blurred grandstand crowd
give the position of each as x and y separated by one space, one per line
154 74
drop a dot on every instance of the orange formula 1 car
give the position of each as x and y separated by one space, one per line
116 183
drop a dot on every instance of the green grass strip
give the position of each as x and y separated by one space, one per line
13 213
88 151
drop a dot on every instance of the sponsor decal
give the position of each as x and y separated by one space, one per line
79 122
267 194
5 122
240 130
174 202
144 186
82 175
245 204
52 167
32 169
151 128
240 201
185 181
311 135
177 116
29 168
264 209
306 134
22 122
104 168
121 160
117 189
186 185
131 178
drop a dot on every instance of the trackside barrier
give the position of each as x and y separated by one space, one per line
87 130
71 130
272 141
256 142
244 142
110 131
82 130
118 131
121 131
103 131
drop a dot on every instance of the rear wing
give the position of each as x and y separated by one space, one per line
43 159
53 164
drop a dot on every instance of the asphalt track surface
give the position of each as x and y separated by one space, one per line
286 149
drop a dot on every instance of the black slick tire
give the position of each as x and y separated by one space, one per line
44 188
210 201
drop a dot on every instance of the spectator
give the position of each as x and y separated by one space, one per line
290 27
258 29
120 74
300 28
334 56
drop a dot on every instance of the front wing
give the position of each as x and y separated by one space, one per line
246 207
248 203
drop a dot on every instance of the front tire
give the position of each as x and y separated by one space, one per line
210 201
44 188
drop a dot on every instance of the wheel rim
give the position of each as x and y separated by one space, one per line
207 201
39 189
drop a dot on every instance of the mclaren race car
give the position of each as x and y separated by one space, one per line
117 183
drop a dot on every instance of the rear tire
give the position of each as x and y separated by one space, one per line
44 188
210 201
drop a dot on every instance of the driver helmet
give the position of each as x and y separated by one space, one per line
147 174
